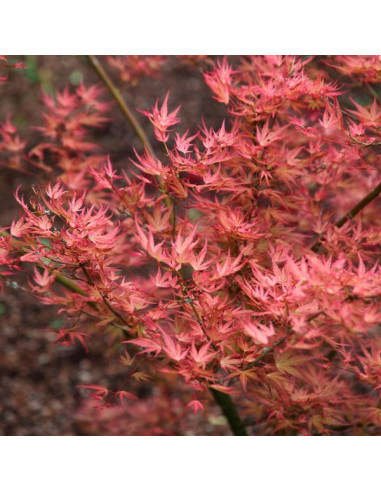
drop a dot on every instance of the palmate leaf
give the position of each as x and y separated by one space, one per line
287 362
277 382
141 376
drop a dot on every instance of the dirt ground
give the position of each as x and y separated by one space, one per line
39 379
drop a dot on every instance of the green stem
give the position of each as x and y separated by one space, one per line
69 284
114 91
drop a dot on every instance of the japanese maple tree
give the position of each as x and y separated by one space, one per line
239 261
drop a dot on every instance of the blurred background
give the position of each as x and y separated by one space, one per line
39 380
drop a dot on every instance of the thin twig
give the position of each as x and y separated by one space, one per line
352 213
114 91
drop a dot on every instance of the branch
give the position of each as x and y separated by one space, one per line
230 411
69 284
352 213
114 91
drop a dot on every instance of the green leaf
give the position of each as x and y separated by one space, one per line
286 363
